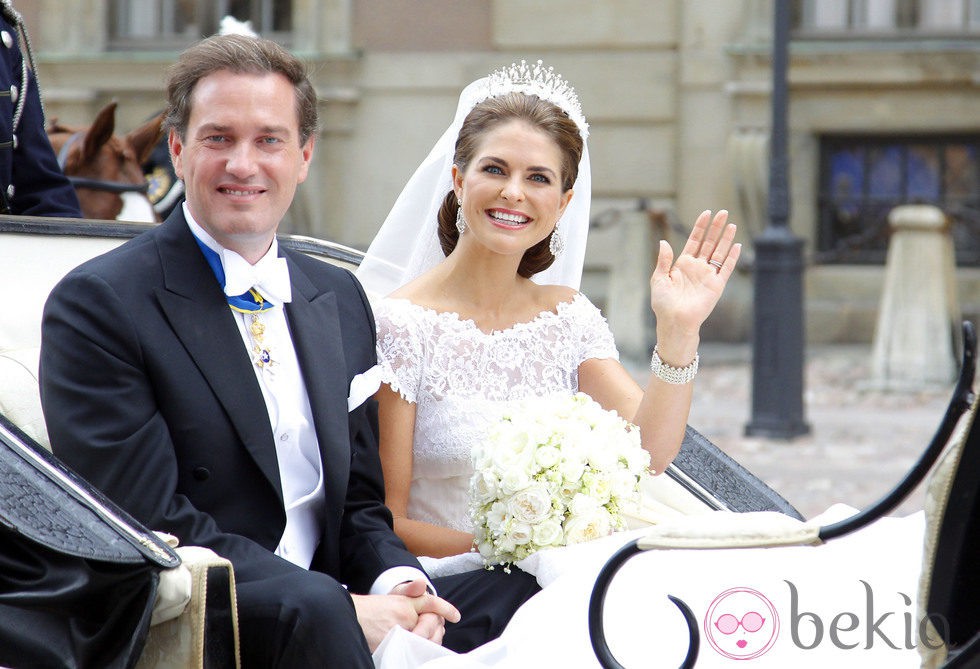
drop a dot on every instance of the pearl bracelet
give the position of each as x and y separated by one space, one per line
673 375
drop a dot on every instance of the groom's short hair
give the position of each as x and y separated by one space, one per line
239 54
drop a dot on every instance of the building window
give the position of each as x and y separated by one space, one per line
885 18
863 178
173 24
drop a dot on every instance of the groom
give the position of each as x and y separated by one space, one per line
200 375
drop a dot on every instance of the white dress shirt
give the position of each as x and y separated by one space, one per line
288 405
297 446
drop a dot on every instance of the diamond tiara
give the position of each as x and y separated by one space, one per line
543 82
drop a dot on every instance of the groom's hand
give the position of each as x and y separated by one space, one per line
408 605
433 612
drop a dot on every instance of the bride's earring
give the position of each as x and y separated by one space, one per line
460 221
557 244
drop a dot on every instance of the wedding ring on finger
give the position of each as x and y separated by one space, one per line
716 264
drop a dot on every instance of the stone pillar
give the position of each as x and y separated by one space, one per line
917 329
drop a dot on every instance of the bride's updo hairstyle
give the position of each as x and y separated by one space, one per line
486 116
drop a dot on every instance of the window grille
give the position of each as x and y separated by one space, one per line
862 178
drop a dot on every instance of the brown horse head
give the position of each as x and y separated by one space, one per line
105 168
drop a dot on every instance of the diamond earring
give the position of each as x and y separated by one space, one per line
557 244
460 221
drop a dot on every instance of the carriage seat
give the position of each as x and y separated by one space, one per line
34 263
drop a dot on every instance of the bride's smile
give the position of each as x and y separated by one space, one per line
508 219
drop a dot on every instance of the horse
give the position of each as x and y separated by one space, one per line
106 169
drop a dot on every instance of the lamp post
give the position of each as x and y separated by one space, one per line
777 336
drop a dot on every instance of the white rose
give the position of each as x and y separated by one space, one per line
531 505
517 535
514 480
577 438
602 457
514 453
598 487
506 451
548 533
571 467
483 487
623 484
547 456
586 527
538 434
582 504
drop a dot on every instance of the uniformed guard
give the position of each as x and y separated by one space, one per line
31 182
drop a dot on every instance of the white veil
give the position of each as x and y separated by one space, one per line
407 243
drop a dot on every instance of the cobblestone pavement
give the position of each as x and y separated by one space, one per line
861 441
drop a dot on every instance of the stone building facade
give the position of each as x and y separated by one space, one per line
884 102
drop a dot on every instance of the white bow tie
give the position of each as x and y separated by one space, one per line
269 276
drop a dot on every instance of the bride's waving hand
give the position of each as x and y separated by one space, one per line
683 292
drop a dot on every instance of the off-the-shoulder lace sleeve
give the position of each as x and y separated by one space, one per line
595 339
400 347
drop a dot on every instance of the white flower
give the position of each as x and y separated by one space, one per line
514 480
486 549
582 504
554 470
622 483
572 468
548 533
598 487
484 486
519 533
547 456
496 515
531 505
588 526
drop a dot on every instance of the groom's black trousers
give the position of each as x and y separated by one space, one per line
486 600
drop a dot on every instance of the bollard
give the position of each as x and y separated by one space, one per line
915 335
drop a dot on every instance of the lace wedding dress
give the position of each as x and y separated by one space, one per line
845 604
461 380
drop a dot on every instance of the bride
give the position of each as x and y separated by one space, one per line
485 310
475 276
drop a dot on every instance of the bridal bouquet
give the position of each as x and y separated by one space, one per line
554 471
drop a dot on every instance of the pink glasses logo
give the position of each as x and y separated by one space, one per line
741 624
